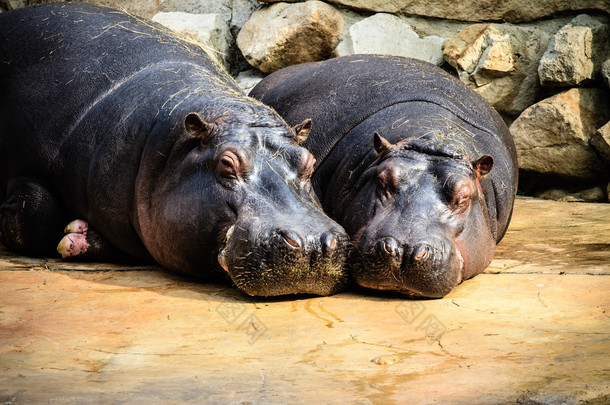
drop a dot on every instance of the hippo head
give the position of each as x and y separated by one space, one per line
422 224
235 193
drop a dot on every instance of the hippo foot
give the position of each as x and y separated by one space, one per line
31 217
74 243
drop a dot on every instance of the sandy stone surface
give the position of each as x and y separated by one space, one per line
533 329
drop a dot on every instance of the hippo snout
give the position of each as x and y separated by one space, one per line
421 268
328 241
390 250
285 261
290 238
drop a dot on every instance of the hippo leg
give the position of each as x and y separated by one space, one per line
81 242
31 217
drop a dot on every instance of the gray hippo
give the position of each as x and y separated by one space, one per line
116 122
420 170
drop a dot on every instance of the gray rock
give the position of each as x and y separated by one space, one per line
553 137
475 11
576 52
499 62
210 30
387 34
234 12
241 11
247 79
222 7
286 34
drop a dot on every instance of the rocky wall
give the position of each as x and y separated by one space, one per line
544 65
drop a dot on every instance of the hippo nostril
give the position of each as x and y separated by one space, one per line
329 241
291 238
420 252
388 246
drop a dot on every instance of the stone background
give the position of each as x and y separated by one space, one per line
544 65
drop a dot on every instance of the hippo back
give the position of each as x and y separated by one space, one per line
70 39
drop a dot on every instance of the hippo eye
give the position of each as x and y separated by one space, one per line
387 183
306 166
230 165
461 199
461 202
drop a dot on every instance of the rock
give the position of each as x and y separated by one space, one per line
553 136
142 8
575 53
13 4
222 7
433 27
387 34
499 62
234 12
241 11
595 194
476 11
248 79
210 30
286 34
606 72
601 142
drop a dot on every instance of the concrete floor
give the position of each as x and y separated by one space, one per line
533 329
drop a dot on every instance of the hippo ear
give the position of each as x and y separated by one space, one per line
483 165
302 131
197 127
382 145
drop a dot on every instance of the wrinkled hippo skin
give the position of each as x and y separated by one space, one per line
420 171
119 124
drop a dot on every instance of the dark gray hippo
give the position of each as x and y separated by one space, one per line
117 122
420 170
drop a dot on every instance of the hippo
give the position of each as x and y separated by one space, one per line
420 170
149 151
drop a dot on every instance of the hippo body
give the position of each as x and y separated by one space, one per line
117 122
419 169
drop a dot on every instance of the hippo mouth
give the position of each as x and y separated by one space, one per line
434 278
280 264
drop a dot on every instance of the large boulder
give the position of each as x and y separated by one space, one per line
553 137
476 11
387 34
576 52
499 62
286 34
210 30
